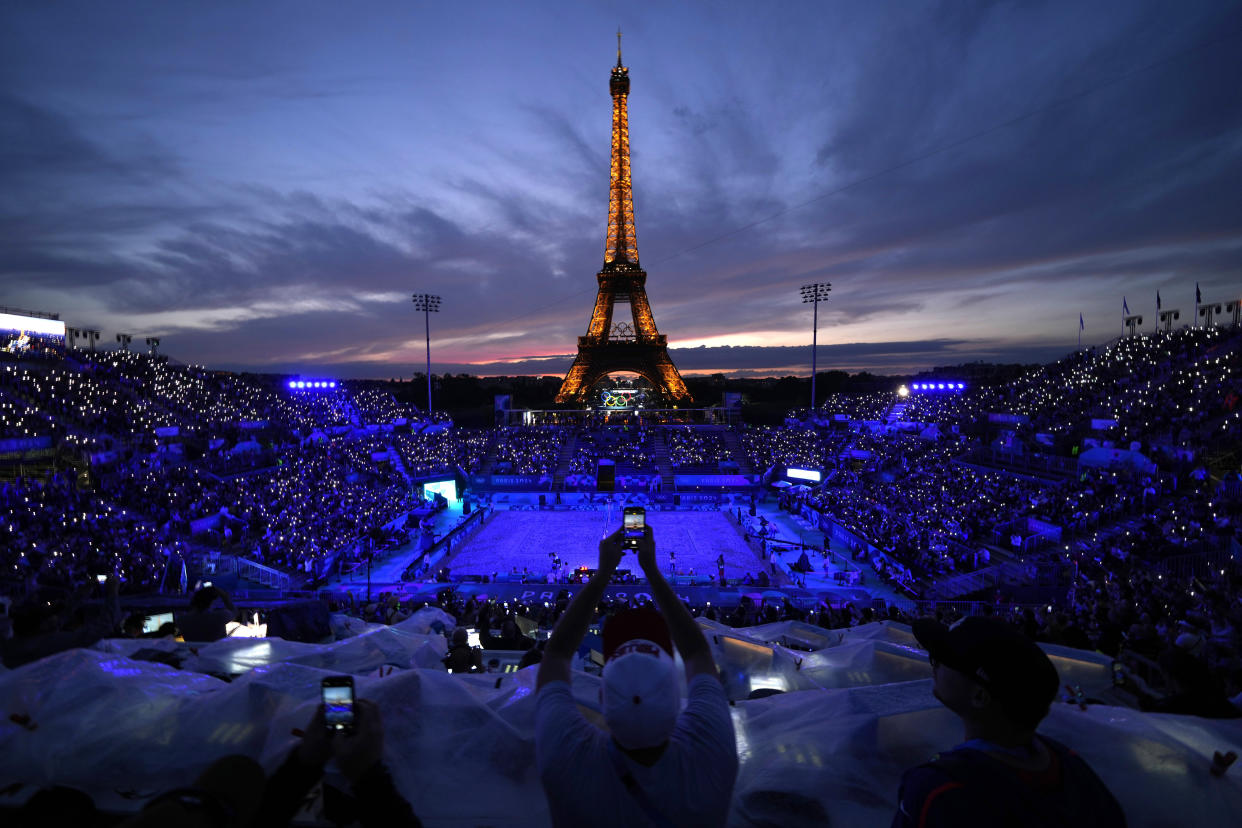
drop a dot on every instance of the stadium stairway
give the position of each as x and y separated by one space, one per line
399 465
737 452
895 411
663 463
563 460
487 464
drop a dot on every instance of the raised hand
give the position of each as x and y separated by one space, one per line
315 748
646 551
362 748
611 551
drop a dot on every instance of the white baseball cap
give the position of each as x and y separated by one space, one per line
641 700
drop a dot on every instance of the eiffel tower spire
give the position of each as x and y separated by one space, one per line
632 344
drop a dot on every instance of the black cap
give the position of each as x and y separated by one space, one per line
1012 667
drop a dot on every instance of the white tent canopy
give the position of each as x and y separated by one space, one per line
858 709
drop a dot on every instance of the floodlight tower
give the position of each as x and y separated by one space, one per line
124 339
427 303
92 336
153 343
815 293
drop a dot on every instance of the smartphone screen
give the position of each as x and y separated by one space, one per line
152 623
338 703
632 522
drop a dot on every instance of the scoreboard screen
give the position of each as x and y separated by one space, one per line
31 336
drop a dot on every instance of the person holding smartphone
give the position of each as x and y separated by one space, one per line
658 763
350 731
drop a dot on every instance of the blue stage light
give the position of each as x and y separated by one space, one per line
332 385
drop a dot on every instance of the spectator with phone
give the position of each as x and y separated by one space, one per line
359 752
201 622
657 763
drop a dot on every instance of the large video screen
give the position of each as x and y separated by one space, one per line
31 336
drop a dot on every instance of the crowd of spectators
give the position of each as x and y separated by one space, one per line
921 509
799 446
57 535
442 449
527 449
290 479
692 448
184 458
97 399
950 408
633 449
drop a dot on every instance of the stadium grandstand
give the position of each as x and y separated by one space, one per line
1094 504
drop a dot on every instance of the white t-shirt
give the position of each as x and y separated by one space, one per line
691 784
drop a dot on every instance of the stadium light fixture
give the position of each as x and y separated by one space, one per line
815 293
1208 312
1167 317
427 303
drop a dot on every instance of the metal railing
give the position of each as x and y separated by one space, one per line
1197 564
266 575
459 533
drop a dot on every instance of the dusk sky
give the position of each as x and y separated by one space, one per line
264 184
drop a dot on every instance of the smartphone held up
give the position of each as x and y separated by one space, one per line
633 522
338 703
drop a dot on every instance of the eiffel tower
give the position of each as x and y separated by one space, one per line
622 345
